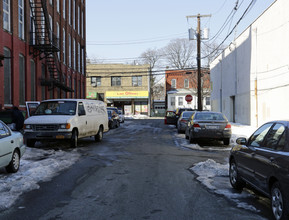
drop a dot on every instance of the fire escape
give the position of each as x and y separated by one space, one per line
45 44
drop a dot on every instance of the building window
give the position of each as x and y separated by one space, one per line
21 19
74 55
7 77
6 15
63 5
173 101
186 83
51 26
78 57
82 24
95 81
73 14
50 1
43 77
69 50
64 46
137 81
69 12
208 101
57 5
174 83
180 100
21 80
115 81
33 80
78 20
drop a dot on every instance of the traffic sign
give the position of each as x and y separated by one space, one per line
189 98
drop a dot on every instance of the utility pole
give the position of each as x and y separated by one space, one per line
200 101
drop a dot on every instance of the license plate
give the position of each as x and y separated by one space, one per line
59 137
212 127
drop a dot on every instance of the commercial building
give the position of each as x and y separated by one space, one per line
42 50
180 83
120 85
250 78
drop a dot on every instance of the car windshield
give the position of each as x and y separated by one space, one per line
209 116
56 108
187 114
109 113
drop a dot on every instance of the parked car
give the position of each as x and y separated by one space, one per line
170 117
121 116
66 119
208 125
179 112
183 120
12 148
262 161
113 119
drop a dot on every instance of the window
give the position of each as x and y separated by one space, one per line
64 8
69 50
50 1
274 138
21 19
57 5
32 80
81 109
82 24
78 52
115 81
174 82
7 77
95 81
208 101
43 77
73 14
137 81
58 37
257 138
6 15
74 55
186 83
180 100
21 80
69 12
64 47
173 101
78 20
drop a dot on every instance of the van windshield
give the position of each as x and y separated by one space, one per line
56 108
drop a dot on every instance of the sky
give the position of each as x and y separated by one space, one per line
120 31
40 165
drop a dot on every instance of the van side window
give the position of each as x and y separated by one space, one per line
81 110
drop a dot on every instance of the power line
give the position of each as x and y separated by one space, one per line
241 18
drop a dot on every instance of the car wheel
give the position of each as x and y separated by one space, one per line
235 180
278 202
14 164
30 142
99 135
74 139
226 141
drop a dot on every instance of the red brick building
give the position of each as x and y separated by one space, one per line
42 50
180 83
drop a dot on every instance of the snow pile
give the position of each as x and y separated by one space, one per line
37 165
215 176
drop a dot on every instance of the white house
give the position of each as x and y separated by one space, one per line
250 79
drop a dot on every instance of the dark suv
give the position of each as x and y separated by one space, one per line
262 161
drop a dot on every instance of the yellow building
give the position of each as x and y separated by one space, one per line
120 85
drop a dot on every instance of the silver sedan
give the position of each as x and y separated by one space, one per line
12 148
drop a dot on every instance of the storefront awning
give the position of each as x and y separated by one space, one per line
127 95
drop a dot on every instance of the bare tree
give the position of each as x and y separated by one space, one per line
151 57
180 53
209 52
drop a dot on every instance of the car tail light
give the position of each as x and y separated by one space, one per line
183 120
228 126
196 125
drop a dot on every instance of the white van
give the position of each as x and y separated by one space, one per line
57 119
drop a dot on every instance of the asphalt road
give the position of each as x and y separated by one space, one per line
136 172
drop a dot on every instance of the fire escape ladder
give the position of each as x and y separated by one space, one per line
45 44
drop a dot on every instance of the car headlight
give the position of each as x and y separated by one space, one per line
27 126
65 126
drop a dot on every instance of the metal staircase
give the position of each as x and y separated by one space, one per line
45 44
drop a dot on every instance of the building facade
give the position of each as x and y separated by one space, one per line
250 79
180 83
120 85
42 50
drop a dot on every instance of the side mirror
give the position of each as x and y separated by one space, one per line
241 141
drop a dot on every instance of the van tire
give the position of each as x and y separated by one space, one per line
14 164
99 135
74 139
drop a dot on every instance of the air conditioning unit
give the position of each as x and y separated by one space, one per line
93 84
